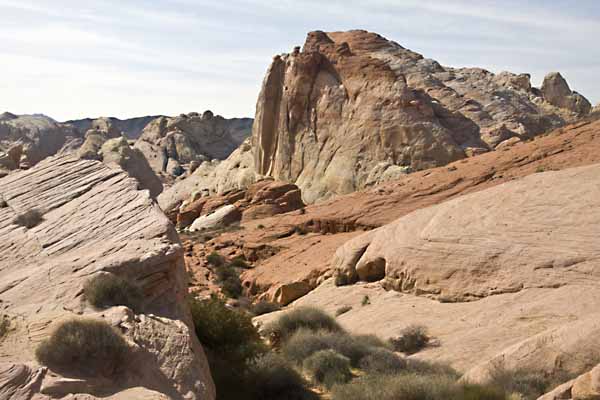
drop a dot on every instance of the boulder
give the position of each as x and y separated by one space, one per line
220 218
557 92
93 220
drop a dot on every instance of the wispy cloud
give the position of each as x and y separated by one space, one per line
70 58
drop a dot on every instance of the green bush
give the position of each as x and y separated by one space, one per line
366 300
328 367
107 290
224 272
272 378
215 259
239 262
304 343
264 307
29 219
342 310
413 387
226 332
412 339
302 317
84 346
232 287
382 361
421 367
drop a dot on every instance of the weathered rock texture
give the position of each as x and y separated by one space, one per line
131 127
584 387
94 220
105 143
172 144
27 139
351 105
539 231
285 257
213 178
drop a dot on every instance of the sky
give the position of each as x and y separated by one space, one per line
88 58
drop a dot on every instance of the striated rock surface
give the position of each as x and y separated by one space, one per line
328 116
93 220
27 139
535 232
105 143
190 138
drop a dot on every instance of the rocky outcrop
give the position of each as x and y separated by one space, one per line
213 178
93 221
172 144
522 234
130 127
584 387
105 143
556 91
27 139
328 116
262 199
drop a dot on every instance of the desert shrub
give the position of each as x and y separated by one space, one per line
264 307
342 310
232 287
529 383
4 325
271 377
302 317
340 279
382 361
239 262
107 290
260 226
413 387
29 219
215 259
226 332
366 300
224 272
304 343
422 367
84 346
328 367
412 339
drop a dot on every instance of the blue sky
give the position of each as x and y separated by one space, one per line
74 58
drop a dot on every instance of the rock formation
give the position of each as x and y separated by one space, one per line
131 127
93 221
27 139
351 105
171 144
213 178
105 143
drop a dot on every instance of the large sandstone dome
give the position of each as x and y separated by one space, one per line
352 108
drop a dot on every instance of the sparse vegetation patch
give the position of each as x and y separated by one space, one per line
107 290
29 219
84 346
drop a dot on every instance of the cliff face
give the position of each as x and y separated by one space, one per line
351 108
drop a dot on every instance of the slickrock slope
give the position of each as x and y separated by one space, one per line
353 108
27 139
539 231
94 221
506 277
176 145
286 258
